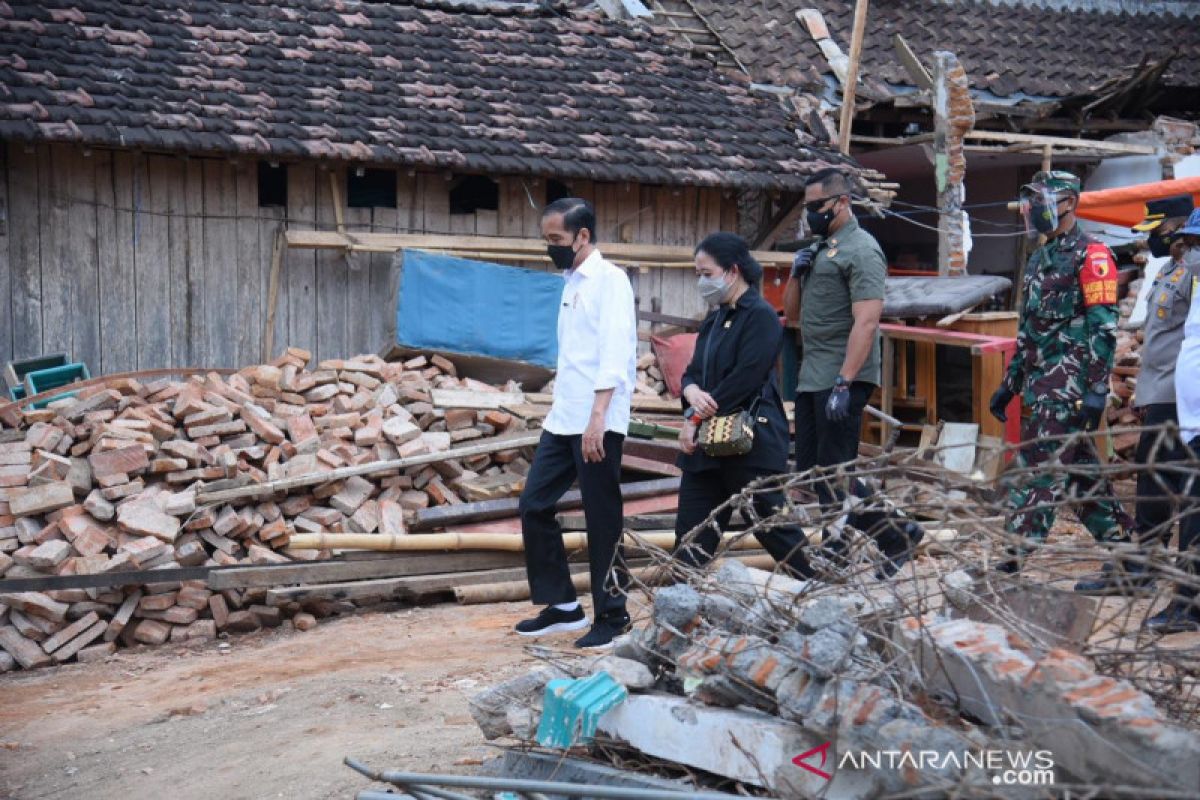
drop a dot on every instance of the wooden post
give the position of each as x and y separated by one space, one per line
338 214
953 116
273 294
851 86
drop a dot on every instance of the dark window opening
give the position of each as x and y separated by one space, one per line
272 184
556 190
374 188
472 193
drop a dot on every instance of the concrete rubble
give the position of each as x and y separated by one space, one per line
754 674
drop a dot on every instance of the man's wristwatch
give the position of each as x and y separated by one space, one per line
692 416
840 383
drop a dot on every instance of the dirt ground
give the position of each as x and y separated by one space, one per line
270 715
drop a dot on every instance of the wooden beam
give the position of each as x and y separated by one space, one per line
442 516
912 65
495 445
516 249
786 219
273 294
1062 141
851 87
338 212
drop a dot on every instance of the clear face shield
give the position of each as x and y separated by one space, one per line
1039 209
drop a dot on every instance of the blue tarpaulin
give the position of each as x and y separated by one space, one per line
476 308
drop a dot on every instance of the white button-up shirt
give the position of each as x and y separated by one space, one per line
597 347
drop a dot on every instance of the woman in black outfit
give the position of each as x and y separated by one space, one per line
733 368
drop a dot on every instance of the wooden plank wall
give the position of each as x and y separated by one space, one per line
137 261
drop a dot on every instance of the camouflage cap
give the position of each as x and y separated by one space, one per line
1057 180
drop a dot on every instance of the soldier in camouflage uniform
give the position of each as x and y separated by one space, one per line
1065 348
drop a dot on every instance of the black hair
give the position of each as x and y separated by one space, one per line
832 180
730 250
577 214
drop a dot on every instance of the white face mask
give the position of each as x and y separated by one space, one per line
713 288
1191 257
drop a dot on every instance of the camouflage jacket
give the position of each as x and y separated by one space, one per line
1067 336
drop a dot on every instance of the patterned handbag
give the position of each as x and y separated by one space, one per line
730 435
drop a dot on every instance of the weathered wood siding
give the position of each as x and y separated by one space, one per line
136 261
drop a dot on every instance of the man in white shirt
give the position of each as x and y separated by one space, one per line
583 435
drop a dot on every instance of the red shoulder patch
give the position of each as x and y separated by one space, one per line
1098 277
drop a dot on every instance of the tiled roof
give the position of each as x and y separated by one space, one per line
1053 52
495 88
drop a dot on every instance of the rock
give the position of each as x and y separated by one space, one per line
98 507
304 622
630 674
823 653
958 586
676 606
490 707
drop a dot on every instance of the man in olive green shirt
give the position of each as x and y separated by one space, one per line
836 292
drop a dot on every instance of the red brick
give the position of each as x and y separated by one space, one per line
150 631
129 460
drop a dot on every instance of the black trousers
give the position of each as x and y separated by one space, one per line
822 442
701 492
1155 507
557 463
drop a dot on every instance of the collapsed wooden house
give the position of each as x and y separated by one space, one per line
152 151
1027 83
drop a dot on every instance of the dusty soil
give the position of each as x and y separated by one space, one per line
271 717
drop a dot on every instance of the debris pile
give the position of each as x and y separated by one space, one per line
1127 362
116 478
950 679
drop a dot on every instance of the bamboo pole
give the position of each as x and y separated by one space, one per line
457 540
495 445
511 591
851 87
454 540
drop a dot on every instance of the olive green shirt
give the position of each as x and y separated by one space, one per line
849 267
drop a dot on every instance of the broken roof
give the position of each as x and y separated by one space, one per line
1038 49
517 88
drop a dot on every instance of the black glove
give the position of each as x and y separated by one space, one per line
999 403
837 407
803 261
1092 409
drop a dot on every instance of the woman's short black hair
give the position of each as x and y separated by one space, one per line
730 250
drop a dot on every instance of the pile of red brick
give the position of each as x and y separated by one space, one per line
107 481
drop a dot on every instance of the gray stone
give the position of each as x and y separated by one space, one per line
734 577
637 645
958 586
825 611
98 507
490 707
722 612
630 674
823 653
676 606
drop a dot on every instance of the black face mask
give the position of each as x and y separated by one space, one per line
819 221
563 255
1044 218
1160 246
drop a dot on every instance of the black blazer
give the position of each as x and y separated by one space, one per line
734 362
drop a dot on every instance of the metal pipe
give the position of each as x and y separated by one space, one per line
527 786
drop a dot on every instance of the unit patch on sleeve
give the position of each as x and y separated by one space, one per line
1098 277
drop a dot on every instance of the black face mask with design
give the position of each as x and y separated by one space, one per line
563 255
819 221
1160 246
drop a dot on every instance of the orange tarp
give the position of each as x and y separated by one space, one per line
1126 206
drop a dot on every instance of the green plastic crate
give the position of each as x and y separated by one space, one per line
44 380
